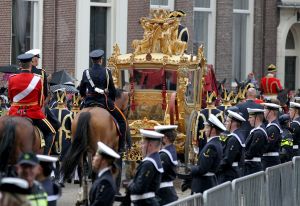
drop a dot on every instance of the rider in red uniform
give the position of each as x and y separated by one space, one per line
270 85
26 97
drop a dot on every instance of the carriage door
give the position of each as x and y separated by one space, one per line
290 72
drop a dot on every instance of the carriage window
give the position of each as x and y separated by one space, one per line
150 79
189 94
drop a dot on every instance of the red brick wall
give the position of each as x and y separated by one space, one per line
136 10
5 31
59 33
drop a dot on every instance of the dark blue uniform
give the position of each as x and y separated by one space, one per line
53 191
271 155
233 158
203 175
146 181
167 192
255 147
63 135
201 119
103 189
99 76
295 127
246 127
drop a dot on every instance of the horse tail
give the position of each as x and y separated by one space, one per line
6 143
78 146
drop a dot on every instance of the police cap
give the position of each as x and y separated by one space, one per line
28 158
25 57
96 54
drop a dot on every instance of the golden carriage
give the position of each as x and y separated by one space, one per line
165 83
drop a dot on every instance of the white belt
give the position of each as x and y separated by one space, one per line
166 184
142 197
271 154
98 90
254 159
209 174
235 164
295 147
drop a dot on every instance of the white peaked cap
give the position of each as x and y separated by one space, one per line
46 158
236 116
271 105
106 150
164 127
151 134
213 120
33 51
294 105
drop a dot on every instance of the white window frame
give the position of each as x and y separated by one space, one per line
116 25
211 40
37 24
170 6
249 36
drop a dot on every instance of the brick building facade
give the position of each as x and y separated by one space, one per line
65 24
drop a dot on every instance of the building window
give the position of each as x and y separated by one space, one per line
290 42
26 27
205 27
164 4
242 39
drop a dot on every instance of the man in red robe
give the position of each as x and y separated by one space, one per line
270 85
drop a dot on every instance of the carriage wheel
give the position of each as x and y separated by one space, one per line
190 156
173 111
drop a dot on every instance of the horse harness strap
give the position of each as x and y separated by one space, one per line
98 90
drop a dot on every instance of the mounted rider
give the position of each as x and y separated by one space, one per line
270 85
97 89
26 95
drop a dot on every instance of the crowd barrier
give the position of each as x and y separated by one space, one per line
277 186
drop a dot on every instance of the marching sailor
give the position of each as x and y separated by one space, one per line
294 112
148 174
255 142
168 156
233 157
271 155
46 168
203 175
104 188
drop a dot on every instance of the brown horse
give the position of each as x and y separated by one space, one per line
90 125
17 135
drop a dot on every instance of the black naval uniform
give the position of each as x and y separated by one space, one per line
183 33
255 147
295 126
271 155
53 191
146 181
99 76
167 192
103 189
249 103
202 118
63 135
203 175
233 157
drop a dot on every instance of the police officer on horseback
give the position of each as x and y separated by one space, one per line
97 89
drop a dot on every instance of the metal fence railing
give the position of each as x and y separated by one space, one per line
194 200
221 192
296 167
280 184
250 190
277 186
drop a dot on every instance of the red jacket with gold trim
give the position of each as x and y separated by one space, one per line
25 94
269 85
